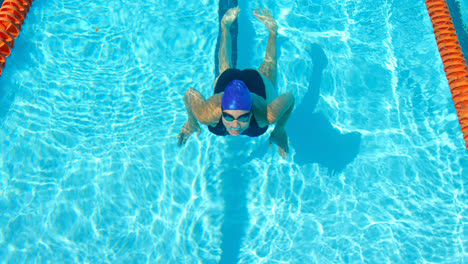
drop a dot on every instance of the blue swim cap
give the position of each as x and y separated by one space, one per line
236 96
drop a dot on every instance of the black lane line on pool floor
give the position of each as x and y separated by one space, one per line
234 187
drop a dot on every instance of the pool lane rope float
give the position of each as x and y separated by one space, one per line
454 62
12 16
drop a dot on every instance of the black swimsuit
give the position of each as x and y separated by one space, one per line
254 82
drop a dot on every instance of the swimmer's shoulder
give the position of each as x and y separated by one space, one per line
260 110
211 112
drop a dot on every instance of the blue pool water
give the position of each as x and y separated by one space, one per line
90 171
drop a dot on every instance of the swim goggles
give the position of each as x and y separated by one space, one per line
241 118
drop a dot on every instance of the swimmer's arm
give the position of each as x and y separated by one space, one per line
204 111
277 111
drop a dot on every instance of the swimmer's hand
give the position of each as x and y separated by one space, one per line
280 138
189 127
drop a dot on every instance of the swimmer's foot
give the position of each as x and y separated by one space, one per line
230 16
266 18
269 65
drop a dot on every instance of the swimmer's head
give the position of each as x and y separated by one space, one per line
236 96
236 105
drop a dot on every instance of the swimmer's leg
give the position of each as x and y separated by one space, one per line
225 49
269 65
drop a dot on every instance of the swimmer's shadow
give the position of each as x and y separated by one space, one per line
311 135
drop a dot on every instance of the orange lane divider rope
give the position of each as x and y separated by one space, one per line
12 16
454 62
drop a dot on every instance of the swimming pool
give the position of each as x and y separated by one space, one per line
91 105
